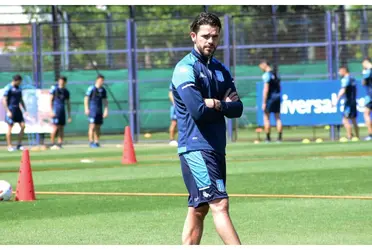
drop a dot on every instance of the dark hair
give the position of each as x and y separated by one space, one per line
17 78
344 67
265 61
205 18
100 76
367 59
62 78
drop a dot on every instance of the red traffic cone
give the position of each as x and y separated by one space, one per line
129 156
25 186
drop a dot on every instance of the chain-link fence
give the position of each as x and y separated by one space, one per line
296 44
137 57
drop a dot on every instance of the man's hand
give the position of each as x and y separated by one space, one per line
52 114
231 97
9 114
105 114
209 103
69 120
87 112
263 106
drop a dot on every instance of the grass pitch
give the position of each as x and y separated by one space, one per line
328 169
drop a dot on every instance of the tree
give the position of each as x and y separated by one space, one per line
167 27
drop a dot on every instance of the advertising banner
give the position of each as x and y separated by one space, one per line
37 117
309 103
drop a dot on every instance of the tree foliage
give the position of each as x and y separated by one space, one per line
167 27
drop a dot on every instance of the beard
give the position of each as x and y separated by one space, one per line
207 53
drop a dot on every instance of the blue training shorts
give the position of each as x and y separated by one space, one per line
17 116
96 119
173 115
350 111
273 106
60 118
204 174
368 102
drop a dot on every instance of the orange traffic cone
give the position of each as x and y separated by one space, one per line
129 156
25 186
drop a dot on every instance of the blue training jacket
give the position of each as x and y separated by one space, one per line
199 127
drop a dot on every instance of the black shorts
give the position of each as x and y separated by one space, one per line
204 174
273 106
17 117
350 111
96 119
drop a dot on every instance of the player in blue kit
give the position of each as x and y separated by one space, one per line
367 82
13 102
348 89
271 99
204 94
173 117
59 98
96 108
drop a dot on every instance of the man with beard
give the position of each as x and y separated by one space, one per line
204 94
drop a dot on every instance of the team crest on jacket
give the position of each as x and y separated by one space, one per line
219 76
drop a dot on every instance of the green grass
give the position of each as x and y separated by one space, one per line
287 168
243 134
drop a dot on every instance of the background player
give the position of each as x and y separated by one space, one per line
348 88
367 81
95 98
59 97
271 99
204 94
173 117
13 102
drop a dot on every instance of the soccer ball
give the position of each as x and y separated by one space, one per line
5 191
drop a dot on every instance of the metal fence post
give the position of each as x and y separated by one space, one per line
226 59
137 97
364 30
330 59
109 44
132 91
336 55
329 45
41 64
275 36
35 55
66 41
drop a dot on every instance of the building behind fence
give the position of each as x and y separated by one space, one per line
137 58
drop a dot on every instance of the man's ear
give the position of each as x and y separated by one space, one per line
193 36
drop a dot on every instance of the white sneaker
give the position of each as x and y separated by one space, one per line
20 147
368 138
55 147
11 149
173 143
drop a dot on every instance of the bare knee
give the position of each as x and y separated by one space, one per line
23 126
200 212
173 124
219 206
345 121
367 113
10 127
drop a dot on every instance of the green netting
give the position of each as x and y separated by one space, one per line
154 103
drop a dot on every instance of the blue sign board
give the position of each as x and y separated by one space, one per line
309 103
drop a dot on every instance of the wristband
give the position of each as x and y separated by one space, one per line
214 103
